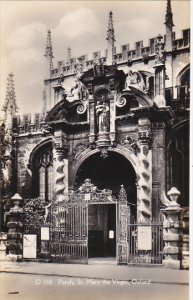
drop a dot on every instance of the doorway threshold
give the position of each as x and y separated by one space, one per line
102 261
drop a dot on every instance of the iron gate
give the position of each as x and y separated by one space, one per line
69 232
145 243
67 223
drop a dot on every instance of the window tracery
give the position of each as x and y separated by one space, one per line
43 173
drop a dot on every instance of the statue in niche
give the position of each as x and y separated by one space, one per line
103 115
135 79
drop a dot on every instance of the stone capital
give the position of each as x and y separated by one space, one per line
61 150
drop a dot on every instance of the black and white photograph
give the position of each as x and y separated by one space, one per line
95 146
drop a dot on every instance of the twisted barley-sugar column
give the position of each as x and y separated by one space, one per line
144 184
59 174
61 184
144 171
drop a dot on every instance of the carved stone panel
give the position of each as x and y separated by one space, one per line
122 243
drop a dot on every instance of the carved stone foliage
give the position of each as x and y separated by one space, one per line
123 218
130 144
80 147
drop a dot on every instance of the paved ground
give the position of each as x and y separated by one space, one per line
100 270
40 287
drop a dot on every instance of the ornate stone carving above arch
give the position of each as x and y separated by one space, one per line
101 92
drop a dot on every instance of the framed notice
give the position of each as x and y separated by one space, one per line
29 246
45 233
144 238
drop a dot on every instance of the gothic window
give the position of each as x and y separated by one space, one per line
183 90
178 163
43 174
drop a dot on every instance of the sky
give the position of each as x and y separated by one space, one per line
81 25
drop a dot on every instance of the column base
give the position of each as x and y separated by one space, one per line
14 257
172 264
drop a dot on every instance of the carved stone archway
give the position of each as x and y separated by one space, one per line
88 152
108 173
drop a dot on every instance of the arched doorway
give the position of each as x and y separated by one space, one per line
109 173
106 173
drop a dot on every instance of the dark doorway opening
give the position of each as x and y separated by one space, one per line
102 230
110 173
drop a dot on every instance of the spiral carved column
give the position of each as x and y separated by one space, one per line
61 174
60 179
60 167
145 172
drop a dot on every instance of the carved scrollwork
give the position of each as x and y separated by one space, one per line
81 108
121 101
89 192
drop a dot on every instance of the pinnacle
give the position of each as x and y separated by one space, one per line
110 30
169 14
49 50
10 98
68 57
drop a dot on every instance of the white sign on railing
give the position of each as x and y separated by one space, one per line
45 233
144 237
29 246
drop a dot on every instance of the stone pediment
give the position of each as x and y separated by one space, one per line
132 98
67 112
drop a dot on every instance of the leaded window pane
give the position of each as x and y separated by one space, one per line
42 182
50 182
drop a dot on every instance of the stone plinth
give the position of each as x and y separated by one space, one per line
185 240
172 237
14 222
3 246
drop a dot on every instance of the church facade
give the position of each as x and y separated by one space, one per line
112 139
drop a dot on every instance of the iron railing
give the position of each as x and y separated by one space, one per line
153 255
